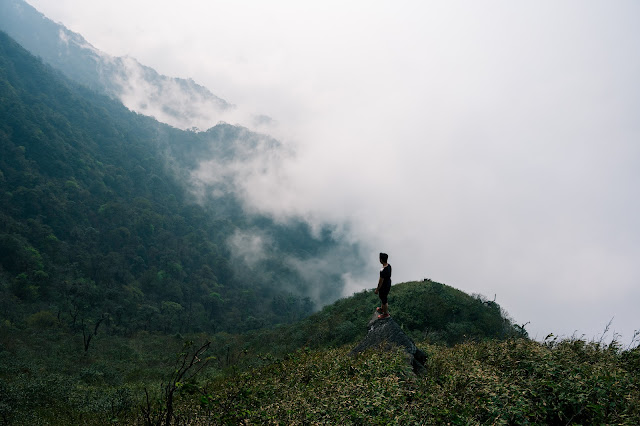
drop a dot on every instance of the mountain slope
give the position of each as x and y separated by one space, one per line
178 102
98 223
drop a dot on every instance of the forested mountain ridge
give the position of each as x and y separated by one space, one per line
98 224
178 102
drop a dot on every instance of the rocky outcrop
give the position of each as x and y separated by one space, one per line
386 334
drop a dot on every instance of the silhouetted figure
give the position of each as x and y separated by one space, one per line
384 286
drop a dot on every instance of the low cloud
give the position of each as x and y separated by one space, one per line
178 102
331 275
250 247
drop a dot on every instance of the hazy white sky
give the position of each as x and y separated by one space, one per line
493 146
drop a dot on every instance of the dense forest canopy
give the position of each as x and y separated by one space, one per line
100 222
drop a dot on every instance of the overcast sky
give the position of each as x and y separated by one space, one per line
493 146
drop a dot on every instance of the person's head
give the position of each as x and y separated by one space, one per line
384 257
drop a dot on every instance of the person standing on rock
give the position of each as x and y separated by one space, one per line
384 286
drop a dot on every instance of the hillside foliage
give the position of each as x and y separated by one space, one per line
114 270
513 381
426 310
100 228
516 381
302 373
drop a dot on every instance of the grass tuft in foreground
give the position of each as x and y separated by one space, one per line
510 382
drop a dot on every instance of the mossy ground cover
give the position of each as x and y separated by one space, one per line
515 381
510 382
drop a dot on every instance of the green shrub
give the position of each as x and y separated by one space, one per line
8 402
516 381
42 319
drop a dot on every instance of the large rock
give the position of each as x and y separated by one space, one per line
386 334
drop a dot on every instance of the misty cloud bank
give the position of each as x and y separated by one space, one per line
224 167
180 103
255 168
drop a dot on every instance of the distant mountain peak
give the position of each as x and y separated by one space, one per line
181 103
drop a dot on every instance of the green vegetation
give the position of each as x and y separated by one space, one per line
108 264
511 381
516 381
428 311
100 229
302 373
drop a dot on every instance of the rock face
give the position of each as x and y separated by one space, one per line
386 333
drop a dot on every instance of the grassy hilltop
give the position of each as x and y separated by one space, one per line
426 310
